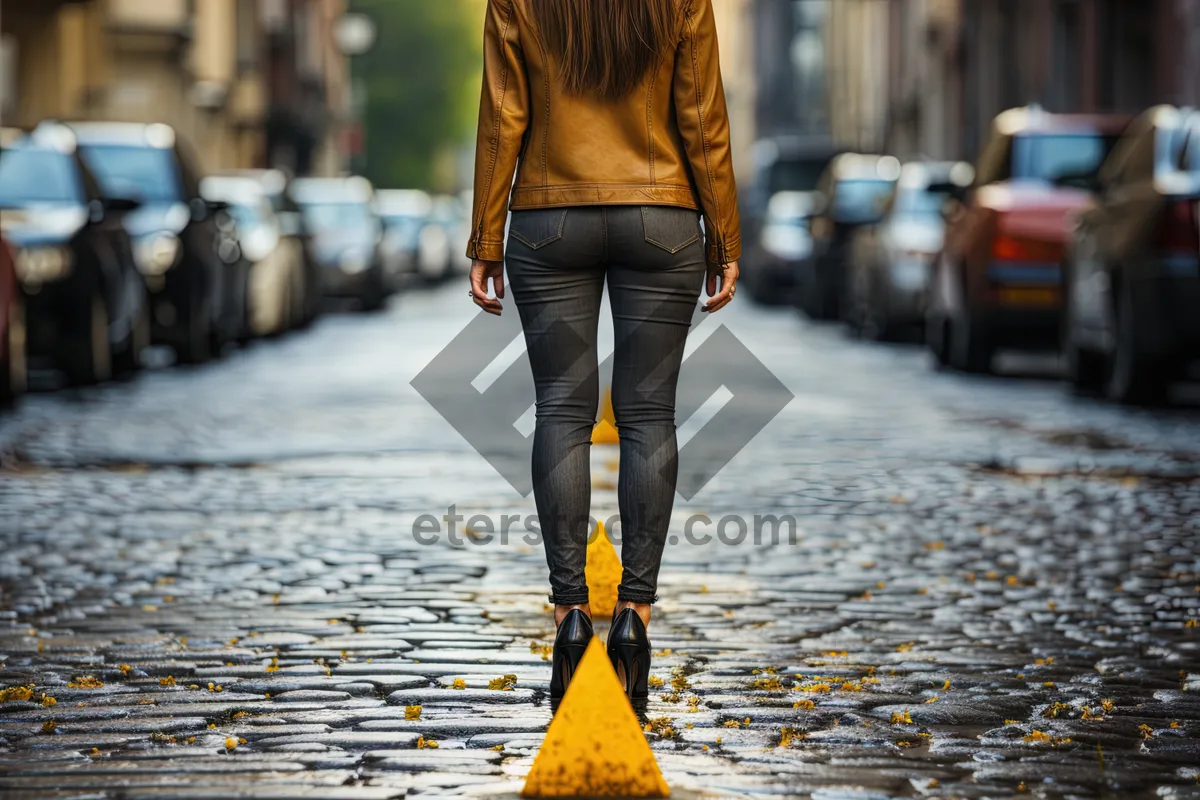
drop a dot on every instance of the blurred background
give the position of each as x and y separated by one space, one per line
859 128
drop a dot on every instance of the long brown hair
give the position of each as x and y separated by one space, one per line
606 47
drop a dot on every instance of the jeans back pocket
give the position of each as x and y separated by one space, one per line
538 227
670 227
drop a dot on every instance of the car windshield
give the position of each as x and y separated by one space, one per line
796 175
401 220
860 200
148 174
788 220
32 175
1051 157
246 216
404 225
337 216
1191 154
920 204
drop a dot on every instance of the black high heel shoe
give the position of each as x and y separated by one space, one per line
629 651
570 642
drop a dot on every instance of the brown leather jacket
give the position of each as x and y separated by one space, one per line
665 144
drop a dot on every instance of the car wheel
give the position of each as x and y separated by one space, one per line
820 294
761 289
87 353
1085 367
287 306
374 296
869 312
129 360
970 344
829 292
14 372
297 300
1133 377
195 348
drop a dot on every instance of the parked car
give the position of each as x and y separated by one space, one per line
998 281
85 302
13 363
785 243
347 237
274 184
889 263
184 245
443 240
1133 264
853 191
405 213
788 163
276 301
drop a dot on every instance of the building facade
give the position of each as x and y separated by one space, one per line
735 30
235 77
790 60
925 78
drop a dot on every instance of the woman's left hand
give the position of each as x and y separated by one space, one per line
481 271
728 274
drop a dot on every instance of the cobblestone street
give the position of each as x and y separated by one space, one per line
210 585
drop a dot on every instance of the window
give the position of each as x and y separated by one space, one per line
860 200
148 174
1049 157
338 216
1066 54
247 36
30 176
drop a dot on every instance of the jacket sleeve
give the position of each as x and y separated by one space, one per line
503 117
704 124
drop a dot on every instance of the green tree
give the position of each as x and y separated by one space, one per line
421 84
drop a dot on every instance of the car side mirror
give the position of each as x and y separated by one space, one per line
950 189
121 205
820 203
290 223
1088 182
952 208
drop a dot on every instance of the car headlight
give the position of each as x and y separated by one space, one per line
353 262
787 242
910 273
156 254
38 265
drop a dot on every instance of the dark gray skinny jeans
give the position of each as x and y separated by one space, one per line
558 260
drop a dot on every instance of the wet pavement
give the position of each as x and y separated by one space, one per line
211 586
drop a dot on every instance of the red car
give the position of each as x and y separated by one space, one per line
998 282
12 330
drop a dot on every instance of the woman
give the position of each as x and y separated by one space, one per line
612 115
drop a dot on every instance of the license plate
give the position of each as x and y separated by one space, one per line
1029 297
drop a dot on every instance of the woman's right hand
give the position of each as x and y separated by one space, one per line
481 271
728 275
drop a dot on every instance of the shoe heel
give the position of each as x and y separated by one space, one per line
635 662
569 646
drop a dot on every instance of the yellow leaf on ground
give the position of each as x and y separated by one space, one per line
503 684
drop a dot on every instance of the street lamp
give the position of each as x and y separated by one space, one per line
354 34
